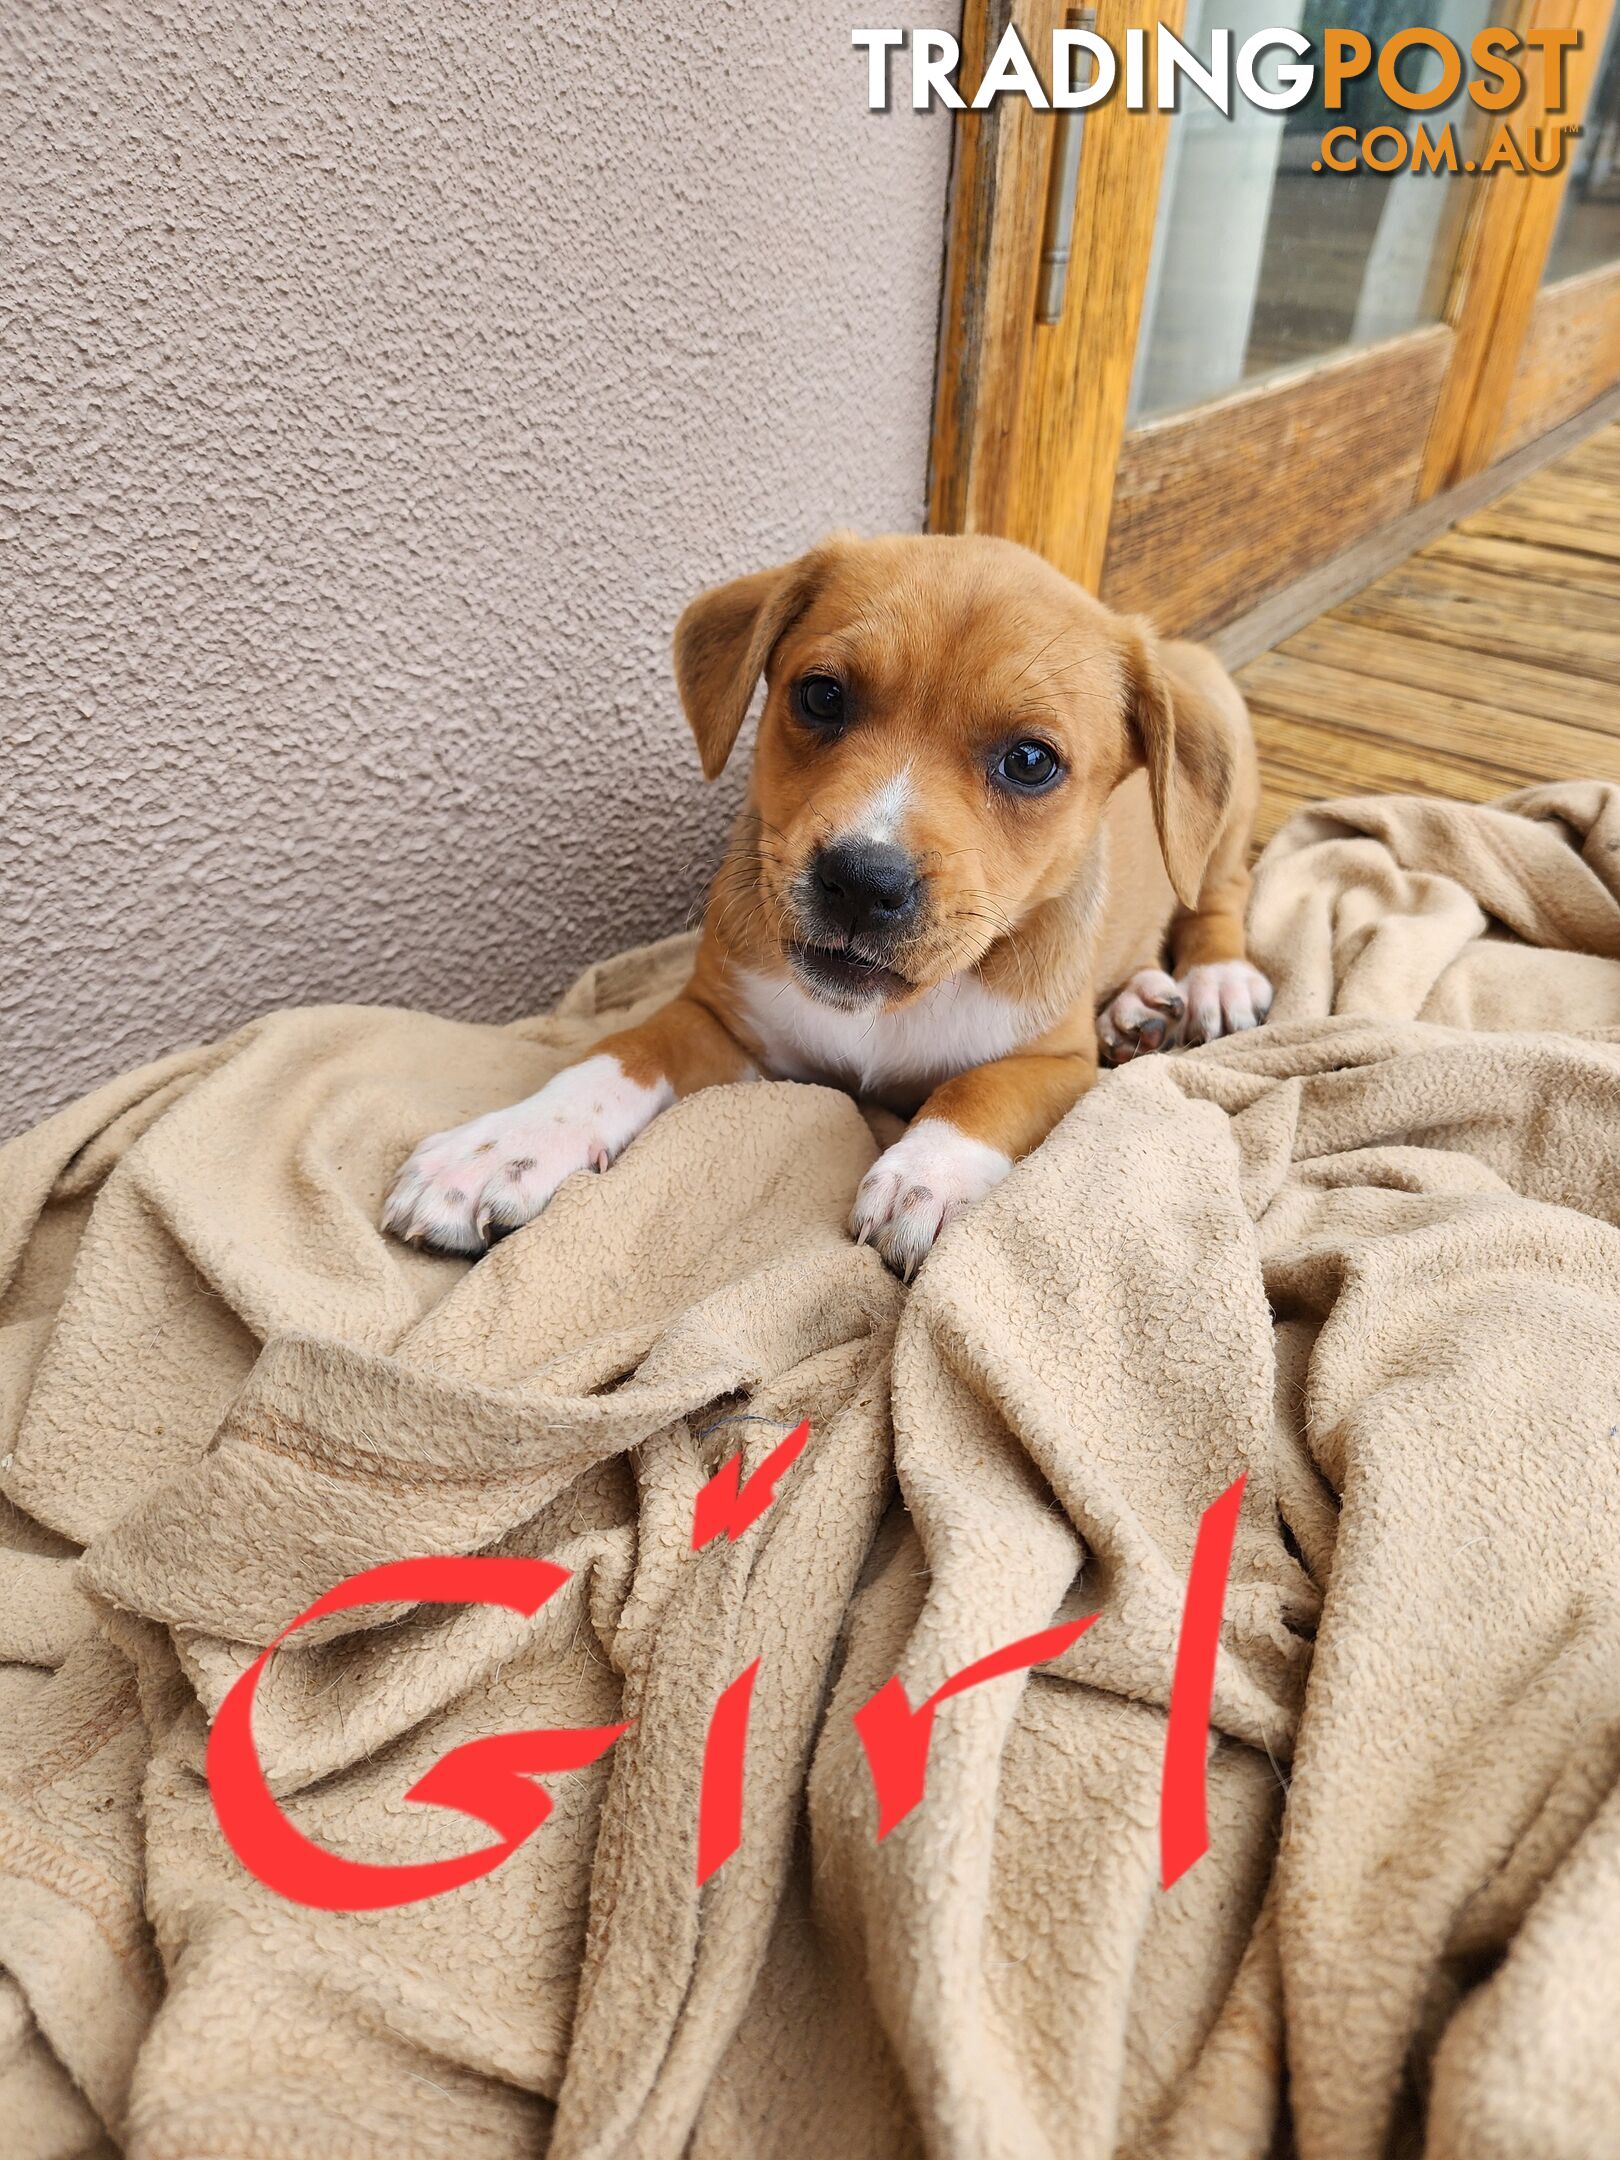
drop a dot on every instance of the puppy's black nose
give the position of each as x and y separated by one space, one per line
867 885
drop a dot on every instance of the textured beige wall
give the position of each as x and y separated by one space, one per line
377 383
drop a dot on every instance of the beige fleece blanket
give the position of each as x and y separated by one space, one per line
1369 1256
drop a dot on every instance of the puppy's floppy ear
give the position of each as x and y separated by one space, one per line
1182 739
722 643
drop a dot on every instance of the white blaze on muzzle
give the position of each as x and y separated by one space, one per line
880 817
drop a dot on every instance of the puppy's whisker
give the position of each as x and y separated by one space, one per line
1056 639
748 899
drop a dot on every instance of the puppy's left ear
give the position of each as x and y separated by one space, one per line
1182 738
722 643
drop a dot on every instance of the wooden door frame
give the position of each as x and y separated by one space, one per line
1569 359
1030 436
1498 281
1570 355
1030 416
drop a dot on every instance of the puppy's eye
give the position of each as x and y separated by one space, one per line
820 700
1028 766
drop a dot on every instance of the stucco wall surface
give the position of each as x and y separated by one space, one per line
377 383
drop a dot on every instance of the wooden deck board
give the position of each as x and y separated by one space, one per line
1514 697
1450 604
1561 529
1488 661
1517 559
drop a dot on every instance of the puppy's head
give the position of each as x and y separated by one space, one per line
944 721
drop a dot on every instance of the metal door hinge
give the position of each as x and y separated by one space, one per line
1062 189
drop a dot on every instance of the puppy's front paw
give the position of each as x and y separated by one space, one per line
464 1189
1222 999
916 1187
1143 1016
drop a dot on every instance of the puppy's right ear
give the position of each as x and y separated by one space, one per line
722 643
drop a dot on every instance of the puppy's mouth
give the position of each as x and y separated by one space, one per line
842 976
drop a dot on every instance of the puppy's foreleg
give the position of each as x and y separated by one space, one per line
1206 935
961 1144
1212 988
462 1190
1221 990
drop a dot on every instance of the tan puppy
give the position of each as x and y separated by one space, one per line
981 805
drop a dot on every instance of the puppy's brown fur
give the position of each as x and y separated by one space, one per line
1035 908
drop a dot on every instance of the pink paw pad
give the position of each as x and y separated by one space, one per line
1143 1016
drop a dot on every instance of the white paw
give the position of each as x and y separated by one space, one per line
1223 999
916 1187
464 1189
1143 1016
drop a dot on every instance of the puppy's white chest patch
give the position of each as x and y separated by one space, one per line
898 1055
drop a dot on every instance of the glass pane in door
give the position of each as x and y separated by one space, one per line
1259 263
1588 233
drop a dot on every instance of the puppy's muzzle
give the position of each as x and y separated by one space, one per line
864 891
855 903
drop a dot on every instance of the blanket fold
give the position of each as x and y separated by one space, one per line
1368 1258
